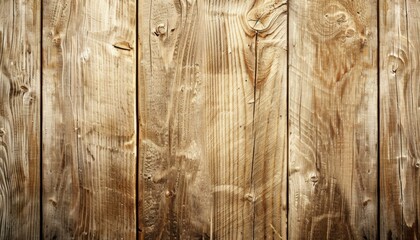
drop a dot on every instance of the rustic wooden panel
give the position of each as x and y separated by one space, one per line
212 129
175 191
89 132
333 119
400 119
19 119
269 167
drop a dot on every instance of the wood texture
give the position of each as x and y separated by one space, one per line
212 132
333 119
175 194
399 119
216 156
19 119
89 123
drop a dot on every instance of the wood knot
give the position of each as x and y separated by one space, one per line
314 179
249 197
160 30
366 202
24 88
261 17
124 45
2 132
169 194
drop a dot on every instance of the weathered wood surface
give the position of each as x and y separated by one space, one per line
212 97
268 21
333 119
212 131
19 119
89 122
174 181
400 119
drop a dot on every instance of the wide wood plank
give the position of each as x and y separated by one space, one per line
333 119
20 119
212 131
400 119
89 122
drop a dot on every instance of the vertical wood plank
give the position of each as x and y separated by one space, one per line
175 191
89 123
212 131
229 77
399 119
269 167
333 119
19 119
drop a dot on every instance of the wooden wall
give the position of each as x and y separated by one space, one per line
210 119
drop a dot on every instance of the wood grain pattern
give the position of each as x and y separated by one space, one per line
269 172
19 119
212 132
175 194
89 130
399 119
333 120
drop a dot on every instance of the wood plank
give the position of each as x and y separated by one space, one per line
175 186
333 119
89 121
269 174
229 77
19 119
206 171
399 119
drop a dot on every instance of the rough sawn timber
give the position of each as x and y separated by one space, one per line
400 119
89 119
212 97
333 119
20 71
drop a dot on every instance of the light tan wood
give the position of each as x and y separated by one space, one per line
333 119
89 122
399 120
174 185
269 173
20 119
212 131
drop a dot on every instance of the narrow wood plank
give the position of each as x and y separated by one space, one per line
175 191
229 77
89 135
399 119
212 140
269 173
333 119
19 119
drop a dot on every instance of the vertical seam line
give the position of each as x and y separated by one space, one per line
287 120
137 227
41 177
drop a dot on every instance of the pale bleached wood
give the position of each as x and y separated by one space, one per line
19 119
333 119
399 120
89 135
212 153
